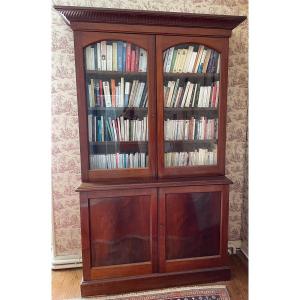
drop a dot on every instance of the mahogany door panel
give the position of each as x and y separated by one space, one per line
191 105
105 148
192 227
122 233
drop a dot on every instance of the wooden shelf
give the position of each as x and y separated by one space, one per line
188 145
113 74
216 76
179 113
118 146
115 112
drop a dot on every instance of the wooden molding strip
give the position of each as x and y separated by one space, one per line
73 14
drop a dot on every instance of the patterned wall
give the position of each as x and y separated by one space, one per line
65 138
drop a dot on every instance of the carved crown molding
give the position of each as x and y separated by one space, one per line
73 14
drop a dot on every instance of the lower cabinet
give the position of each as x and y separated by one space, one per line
191 220
143 238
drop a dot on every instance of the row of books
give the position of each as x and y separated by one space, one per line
196 158
118 161
193 129
116 56
117 93
191 94
103 129
191 59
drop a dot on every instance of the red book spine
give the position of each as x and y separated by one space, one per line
213 98
101 93
128 56
132 62
113 93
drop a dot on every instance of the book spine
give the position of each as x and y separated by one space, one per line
99 56
127 91
169 59
113 92
101 93
124 57
115 56
120 56
132 62
128 57
103 55
109 56
122 92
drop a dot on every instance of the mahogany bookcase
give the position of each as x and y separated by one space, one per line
152 92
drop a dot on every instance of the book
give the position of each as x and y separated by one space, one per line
143 61
113 92
124 56
103 55
132 62
119 161
128 57
109 62
101 93
205 63
186 63
107 95
99 56
120 56
122 92
173 60
115 56
127 93
169 59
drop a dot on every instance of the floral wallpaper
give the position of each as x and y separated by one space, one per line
65 137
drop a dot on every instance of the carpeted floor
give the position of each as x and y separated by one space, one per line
216 292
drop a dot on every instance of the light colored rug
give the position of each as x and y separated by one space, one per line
196 292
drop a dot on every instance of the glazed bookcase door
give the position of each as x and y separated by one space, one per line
116 104
191 95
192 227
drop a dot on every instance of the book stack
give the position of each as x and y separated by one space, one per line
115 56
193 129
118 161
117 93
196 158
191 59
103 129
191 94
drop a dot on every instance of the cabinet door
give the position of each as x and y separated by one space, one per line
192 227
119 233
191 95
116 105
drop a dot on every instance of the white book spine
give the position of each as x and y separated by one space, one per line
99 56
122 92
109 58
192 62
188 59
103 55
169 59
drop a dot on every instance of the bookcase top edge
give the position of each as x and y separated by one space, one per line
144 17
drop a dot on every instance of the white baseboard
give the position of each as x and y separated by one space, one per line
66 262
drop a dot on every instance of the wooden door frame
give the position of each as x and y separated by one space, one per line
164 42
83 39
132 269
177 265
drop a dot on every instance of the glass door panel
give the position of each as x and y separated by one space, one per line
117 102
191 79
